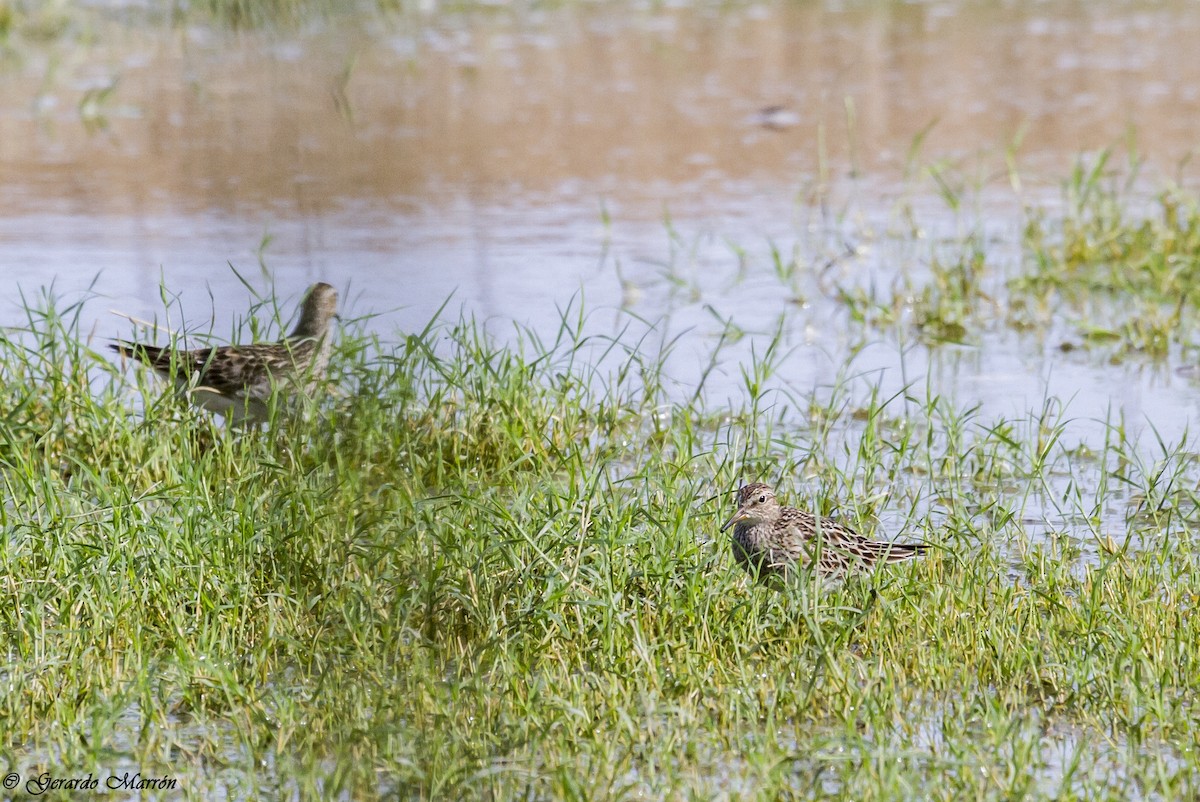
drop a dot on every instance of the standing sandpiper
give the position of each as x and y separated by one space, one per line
237 380
772 541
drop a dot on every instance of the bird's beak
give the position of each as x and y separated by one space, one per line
737 516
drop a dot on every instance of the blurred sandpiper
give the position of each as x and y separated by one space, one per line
238 380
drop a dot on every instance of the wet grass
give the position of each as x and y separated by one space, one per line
1104 266
1137 272
490 568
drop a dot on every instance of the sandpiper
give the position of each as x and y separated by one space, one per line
237 380
772 541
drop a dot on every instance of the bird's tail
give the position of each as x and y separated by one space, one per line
899 552
146 353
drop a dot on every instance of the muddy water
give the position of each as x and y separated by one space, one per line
644 156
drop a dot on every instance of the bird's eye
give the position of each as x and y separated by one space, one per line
762 499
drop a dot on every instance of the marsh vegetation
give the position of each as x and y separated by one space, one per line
486 563
487 568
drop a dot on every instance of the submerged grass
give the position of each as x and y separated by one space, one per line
1136 272
1106 266
487 569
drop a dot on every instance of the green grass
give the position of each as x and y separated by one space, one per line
489 568
1137 272
1103 268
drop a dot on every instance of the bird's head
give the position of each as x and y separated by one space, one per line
756 504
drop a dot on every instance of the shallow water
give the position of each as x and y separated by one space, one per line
515 158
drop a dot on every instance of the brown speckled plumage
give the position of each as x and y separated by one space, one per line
772 541
237 380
